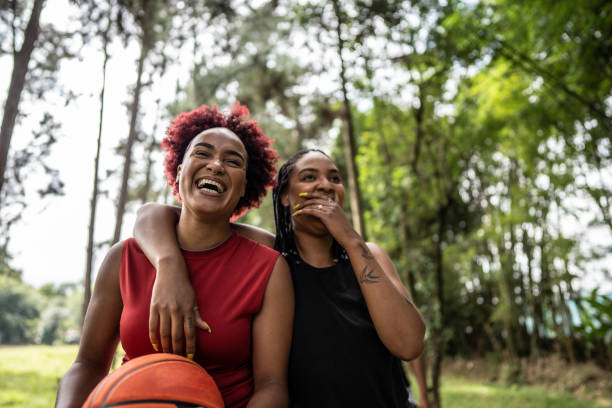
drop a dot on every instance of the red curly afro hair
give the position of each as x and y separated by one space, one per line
261 167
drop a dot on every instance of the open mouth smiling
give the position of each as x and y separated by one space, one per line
211 186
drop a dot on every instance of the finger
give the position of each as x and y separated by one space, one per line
316 209
153 326
165 333
178 333
201 324
313 202
190 336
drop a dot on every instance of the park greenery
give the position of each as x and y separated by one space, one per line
470 134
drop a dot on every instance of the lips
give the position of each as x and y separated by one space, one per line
211 185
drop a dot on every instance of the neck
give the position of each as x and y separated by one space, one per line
198 234
315 250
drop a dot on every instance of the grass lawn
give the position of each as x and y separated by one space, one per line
29 377
29 374
462 393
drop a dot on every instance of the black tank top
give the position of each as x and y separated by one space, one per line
337 359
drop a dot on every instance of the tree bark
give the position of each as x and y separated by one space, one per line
348 133
146 188
94 194
21 60
439 293
123 193
534 336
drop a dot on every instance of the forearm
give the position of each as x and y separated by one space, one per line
270 395
397 321
418 368
77 383
155 233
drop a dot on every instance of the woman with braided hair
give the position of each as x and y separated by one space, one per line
354 320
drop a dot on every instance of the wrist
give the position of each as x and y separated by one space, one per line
170 262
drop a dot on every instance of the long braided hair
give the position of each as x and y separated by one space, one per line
285 237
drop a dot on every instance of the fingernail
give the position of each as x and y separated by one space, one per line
296 206
302 194
297 212
208 329
155 347
190 356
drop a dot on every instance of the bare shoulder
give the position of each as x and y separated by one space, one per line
109 270
255 233
377 251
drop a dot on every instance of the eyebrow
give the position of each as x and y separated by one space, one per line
211 147
317 170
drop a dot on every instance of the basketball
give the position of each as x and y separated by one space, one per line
158 380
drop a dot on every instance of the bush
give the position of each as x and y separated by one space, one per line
19 311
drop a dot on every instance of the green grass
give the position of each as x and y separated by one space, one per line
29 376
463 393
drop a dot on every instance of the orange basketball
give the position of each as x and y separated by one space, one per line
157 380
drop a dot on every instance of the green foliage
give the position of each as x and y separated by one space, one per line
19 311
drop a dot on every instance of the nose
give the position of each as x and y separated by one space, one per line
216 166
324 185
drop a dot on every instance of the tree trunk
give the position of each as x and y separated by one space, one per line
21 59
438 329
94 194
534 336
146 188
349 135
123 194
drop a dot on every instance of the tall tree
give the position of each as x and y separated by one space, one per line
152 18
104 33
21 60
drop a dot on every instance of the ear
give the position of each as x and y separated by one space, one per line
178 173
284 198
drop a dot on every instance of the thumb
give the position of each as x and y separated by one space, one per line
201 324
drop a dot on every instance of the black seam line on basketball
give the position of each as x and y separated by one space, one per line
160 401
138 369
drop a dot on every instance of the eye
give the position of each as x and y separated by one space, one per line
335 179
201 153
308 177
234 162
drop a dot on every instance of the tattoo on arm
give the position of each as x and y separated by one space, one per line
365 251
190 322
409 302
367 275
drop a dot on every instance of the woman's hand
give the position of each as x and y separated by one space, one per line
330 213
174 310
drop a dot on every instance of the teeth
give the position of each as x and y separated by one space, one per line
203 182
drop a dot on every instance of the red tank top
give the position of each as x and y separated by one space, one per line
229 283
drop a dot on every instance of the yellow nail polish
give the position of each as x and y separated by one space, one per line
155 347
296 206
297 212
190 356
302 194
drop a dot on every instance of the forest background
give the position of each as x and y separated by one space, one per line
474 136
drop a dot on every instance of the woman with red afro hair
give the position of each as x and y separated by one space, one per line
261 161
219 165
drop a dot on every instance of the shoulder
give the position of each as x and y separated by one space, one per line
114 254
109 270
254 255
377 250
256 234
